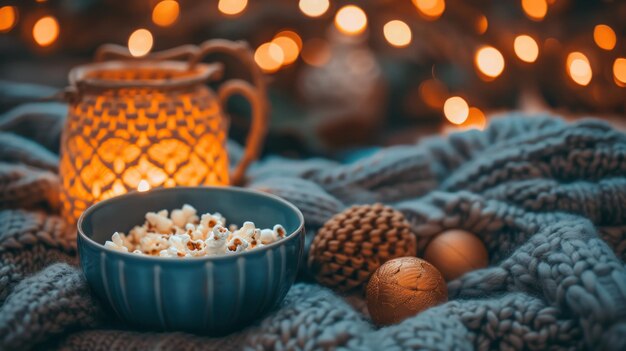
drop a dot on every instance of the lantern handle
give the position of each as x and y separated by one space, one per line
256 95
116 52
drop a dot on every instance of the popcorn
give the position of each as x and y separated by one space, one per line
116 243
183 216
280 231
246 231
160 221
216 243
237 244
267 236
211 220
183 233
153 243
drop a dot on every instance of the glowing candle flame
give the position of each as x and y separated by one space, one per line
579 68
140 42
351 20
232 7
8 18
456 109
526 48
46 31
314 8
489 61
165 13
604 36
397 33
143 186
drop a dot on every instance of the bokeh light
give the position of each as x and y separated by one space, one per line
46 31
8 18
165 13
397 33
535 9
290 43
316 52
314 8
619 71
578 68
456 109
482 24
351 20
526 48
269 57
140 42
430 9
475 119
232 7
489 61
604 36
434 93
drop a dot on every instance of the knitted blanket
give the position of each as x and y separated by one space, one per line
548 199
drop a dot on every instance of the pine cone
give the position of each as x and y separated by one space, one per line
355 242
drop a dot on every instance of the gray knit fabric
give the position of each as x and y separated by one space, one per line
548 199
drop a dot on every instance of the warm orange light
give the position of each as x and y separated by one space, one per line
475 119
351 20
433 92
143 186
46 30
604 36
397 33
489 61
269 56
232 7
619 71
579 68
316 52
8 18
140 42
430 9
536 10
292 35
141 144
526 48
290 43
482 24
165 13
456 109
314 8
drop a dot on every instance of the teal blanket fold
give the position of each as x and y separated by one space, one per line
548 198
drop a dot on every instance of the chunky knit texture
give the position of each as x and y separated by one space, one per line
548 199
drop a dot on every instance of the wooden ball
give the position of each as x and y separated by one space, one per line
456 252
403 287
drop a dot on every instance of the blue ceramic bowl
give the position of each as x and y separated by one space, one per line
207 295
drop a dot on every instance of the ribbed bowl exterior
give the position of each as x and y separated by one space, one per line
213 295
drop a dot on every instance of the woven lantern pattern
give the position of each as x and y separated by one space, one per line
141 124
121 140
353 244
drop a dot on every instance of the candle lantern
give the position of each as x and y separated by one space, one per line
136 124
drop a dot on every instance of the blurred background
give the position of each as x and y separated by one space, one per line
348 74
